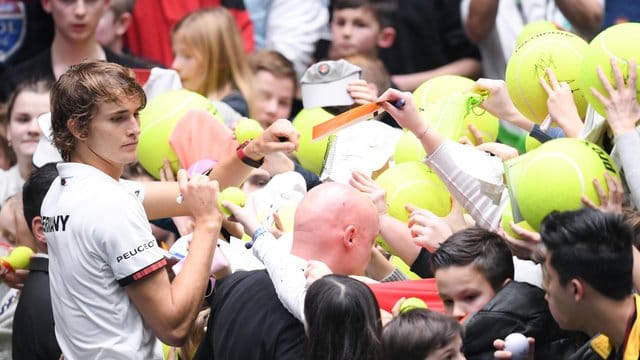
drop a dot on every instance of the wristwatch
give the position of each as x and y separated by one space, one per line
242 155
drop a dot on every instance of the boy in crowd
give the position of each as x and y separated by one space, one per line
75 40
587 274
113 25
474 270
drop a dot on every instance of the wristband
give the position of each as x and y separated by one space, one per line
242 155
256 234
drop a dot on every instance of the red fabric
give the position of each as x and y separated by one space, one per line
149 35
198 135
389 293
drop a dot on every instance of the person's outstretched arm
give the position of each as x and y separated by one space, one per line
169 308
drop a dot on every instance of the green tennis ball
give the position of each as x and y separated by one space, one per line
554 176
446 98
507 219
20 257
561 51
231 194
247 129
411 303
403 267
414 183
535 28
619 41
408 148
157 121
310 153
440 87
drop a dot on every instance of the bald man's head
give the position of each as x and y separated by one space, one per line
336 224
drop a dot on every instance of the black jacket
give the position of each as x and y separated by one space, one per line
518 307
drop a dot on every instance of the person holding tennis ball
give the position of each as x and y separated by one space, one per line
111 296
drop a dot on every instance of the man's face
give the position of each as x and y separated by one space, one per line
354 31
274 97
559 297
463 289
106 31
113 133
75 20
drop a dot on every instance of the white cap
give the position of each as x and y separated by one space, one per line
325 84
45 152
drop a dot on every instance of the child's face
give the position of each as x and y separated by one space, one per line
273 97
463 289
23 130
451 351
75 20
106 32
188 63
113 133
354 31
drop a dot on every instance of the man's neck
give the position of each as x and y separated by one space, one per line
65 53
612 318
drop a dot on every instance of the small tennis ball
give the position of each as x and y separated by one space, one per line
518 345
157 121
310 153
615 41
247 129
20 257
411 303
561 51
535 28
231 194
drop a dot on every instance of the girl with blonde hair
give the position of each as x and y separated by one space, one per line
210 59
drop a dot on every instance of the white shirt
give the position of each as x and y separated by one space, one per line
99 240
10 183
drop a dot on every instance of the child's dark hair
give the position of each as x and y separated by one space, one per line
385 11
484 249
415 334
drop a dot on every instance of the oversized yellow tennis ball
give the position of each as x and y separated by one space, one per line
247 129
414 183
403 267
408 148
449 106
412 303
555 176
439 87
561 51
157 121
310 153
535 28
233 195
20 257
619 41
507 219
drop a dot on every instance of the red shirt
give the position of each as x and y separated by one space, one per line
149 35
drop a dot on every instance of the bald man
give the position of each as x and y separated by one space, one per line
333 223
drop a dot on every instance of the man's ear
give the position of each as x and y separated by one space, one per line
37 230
577 289
348 236
74 129
386 37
